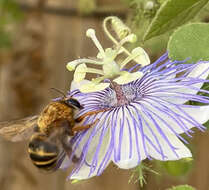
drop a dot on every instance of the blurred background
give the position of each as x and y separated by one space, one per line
37 39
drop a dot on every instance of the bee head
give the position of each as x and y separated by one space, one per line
70 101
73 102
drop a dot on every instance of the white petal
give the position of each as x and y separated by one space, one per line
181 150
198 71
201 71
84 171
200 114
161 143
129 150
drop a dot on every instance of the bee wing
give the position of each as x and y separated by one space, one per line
18 130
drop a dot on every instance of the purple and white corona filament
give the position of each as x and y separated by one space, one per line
144 120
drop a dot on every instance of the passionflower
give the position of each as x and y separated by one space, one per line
144 120
141 118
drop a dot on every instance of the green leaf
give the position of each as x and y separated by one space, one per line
190 41
177 168
173 13
182 187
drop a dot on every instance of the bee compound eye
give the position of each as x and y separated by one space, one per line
75 103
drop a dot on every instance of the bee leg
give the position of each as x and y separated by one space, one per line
80 118
68 150
66 125
78 128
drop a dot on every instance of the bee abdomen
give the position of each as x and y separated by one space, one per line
45 162
43 154
42 158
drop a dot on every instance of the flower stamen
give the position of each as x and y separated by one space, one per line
91 34
108 59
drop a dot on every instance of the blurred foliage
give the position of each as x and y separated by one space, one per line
182 187
142 13
207 124
178 167
161 1
4 39
9 15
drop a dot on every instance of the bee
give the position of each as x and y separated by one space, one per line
49 132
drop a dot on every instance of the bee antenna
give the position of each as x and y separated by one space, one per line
59 91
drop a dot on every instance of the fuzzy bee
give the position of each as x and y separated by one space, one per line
49 132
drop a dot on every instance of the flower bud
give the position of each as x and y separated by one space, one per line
120 28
